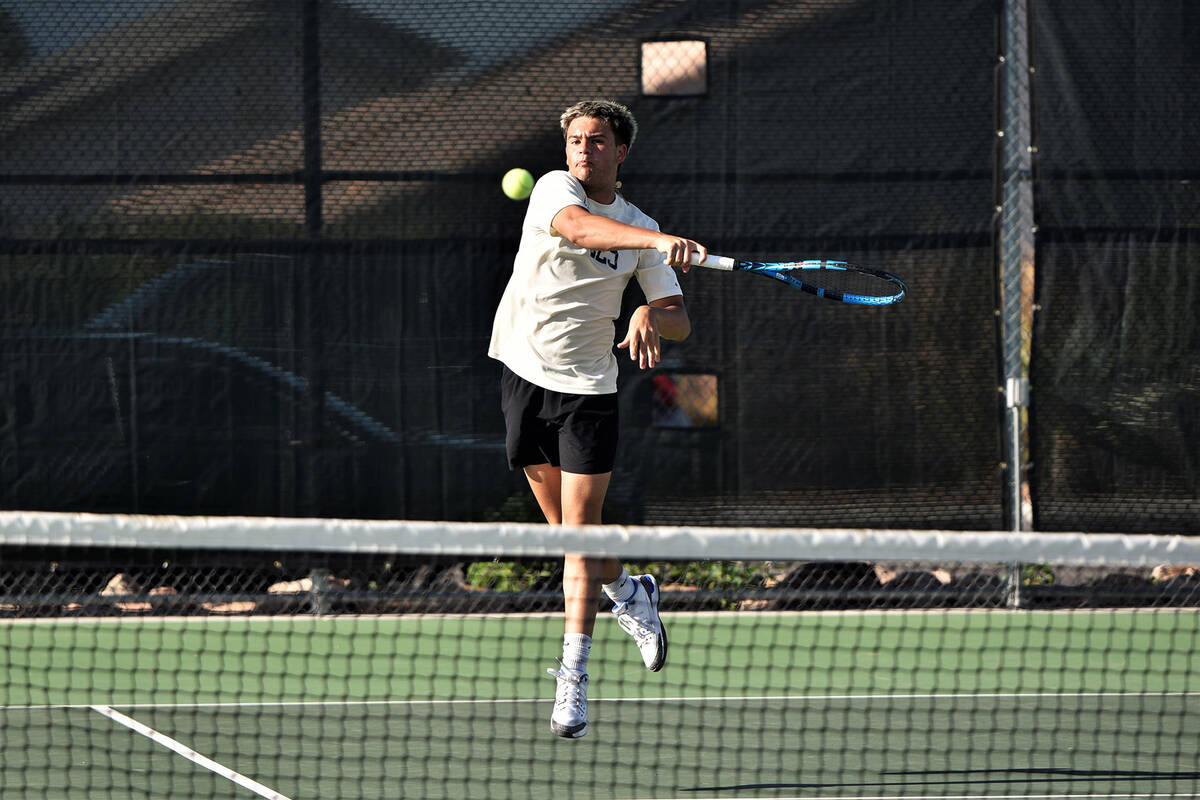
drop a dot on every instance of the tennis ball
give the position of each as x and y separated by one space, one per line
517 183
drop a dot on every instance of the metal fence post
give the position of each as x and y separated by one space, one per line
1016 252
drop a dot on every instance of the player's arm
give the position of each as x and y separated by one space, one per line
597 232
665 318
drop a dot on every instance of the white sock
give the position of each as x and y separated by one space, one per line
576 649
622 588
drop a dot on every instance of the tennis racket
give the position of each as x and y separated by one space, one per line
833 280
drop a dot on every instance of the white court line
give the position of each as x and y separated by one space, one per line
309 619
781 698
1117 796
189 753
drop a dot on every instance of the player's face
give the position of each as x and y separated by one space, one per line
593 154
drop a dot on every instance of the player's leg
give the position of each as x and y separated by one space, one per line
546 482
587 445
583 577
583 497
582 503
573 499
532 446
588 449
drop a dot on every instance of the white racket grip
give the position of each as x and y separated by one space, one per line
717 262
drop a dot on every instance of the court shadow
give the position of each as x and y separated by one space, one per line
1050 774
910 778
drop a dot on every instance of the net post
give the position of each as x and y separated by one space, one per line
1016 400
1014 585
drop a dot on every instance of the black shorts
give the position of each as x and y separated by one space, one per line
577 432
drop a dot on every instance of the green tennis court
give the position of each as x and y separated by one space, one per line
1096 704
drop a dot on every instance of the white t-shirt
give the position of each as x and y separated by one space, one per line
555 323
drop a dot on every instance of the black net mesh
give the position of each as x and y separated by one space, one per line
327 665
1116 380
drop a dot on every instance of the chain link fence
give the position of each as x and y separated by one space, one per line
250 253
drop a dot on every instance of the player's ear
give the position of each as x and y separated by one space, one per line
622 151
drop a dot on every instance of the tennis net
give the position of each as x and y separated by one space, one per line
290 658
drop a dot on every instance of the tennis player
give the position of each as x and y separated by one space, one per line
581 243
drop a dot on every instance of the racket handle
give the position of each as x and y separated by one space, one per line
717 262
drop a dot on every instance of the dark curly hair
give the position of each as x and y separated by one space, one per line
618 117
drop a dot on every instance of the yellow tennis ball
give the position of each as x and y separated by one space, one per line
517 184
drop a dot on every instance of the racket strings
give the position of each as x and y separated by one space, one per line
841 278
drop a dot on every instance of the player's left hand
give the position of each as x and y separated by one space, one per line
643 340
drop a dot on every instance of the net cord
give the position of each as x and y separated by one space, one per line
631 542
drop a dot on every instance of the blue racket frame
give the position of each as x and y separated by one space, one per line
792 273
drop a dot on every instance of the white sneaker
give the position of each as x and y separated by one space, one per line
639 617
570 717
